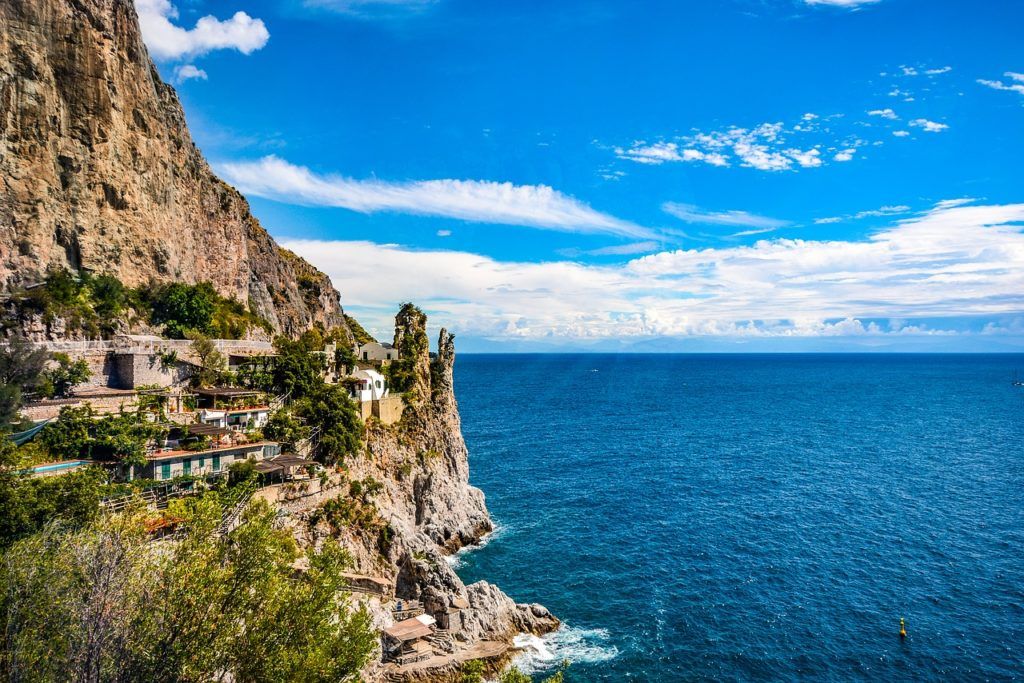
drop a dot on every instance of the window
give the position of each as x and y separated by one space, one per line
216 463
165 471
186 466
366 355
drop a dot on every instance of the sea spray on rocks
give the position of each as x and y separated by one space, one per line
568 643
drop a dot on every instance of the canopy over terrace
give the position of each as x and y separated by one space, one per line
411 629
200 429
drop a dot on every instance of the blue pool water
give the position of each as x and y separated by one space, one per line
67 465
757 517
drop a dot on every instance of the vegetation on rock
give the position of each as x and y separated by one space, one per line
101 603
98 306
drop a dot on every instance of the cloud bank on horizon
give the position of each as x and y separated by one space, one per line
956 261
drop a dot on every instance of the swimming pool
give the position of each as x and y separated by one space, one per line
58 466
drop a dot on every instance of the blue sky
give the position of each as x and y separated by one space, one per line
733 175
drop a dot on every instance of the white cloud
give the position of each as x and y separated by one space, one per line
901 133
950 262
849 4
883 211
884 113
939 70
693 214
1015 84
188 71
482 201
929 126
888 210
845 155
166 41
644 247
444 233
371 8
765 147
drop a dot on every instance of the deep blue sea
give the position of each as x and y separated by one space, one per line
756 517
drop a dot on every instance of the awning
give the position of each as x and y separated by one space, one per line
291 460
267 467
207 430
409 629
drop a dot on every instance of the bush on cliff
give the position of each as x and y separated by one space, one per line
96 305
202 608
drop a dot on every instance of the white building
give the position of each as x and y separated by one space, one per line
367 385
373 351
237 419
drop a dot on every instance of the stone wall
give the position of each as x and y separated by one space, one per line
388 409
103 405
147 369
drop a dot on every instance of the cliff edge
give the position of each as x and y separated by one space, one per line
100 173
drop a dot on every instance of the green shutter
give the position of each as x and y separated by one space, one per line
165 470
216 463
186 466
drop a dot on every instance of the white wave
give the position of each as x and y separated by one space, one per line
575 645
457 559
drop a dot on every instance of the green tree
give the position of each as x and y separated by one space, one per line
66 375
76 433
285 428
331 411
298 366
203 608
212 363
27 504
21 373
182 308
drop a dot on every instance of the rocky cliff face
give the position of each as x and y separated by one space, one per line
99 171
428 503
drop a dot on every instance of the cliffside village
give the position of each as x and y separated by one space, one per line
212 428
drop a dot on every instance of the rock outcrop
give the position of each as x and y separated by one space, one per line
99 171
427 502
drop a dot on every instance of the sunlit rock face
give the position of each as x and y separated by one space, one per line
100 172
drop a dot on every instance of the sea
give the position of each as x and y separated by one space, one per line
755 517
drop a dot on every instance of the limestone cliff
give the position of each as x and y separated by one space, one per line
427 502
99 171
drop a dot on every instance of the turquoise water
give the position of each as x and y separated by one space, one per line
756 517
70 464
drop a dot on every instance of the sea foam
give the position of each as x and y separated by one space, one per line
458 558
568 643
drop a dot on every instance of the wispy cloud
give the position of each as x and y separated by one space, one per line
481 201
888 210
766 147
955 260
645 247
848 4
1014 84
167 41
744 219
886 113
371 8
